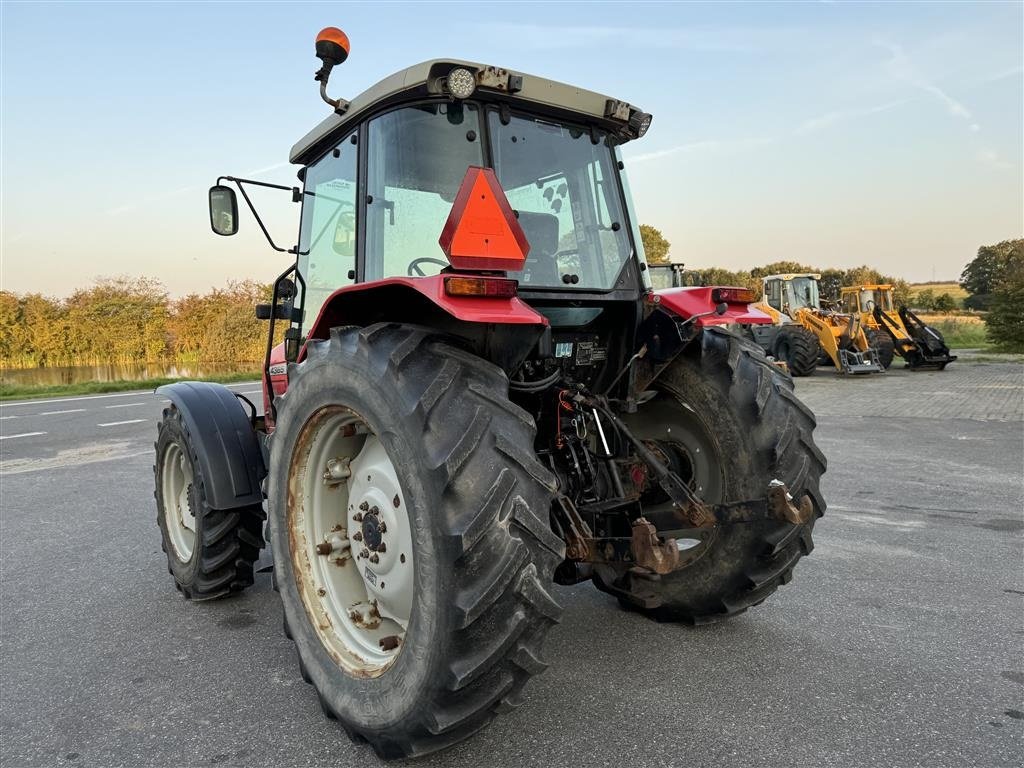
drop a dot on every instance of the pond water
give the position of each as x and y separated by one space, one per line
77 374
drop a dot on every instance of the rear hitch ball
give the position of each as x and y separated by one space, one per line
332 48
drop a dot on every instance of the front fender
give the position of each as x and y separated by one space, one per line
224 441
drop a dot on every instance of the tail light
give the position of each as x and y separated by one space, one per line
485 287
733 296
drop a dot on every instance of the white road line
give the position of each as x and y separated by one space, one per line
124 405
7 417
119 423
54 413
23 434
252 392
44 400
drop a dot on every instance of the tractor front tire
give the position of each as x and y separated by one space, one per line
734 417
798 348
428 614
210 552
883 344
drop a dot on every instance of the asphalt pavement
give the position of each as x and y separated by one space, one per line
899 642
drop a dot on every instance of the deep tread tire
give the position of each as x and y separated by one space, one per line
763 432
478 503
228 542
798 348
882 343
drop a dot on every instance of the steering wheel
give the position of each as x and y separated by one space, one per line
413 270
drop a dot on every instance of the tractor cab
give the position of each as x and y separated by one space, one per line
788 293
863 299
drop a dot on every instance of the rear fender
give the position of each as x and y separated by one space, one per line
407 299
688 302
502 330
224 441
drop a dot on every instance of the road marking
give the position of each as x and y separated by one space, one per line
7 417
119 423
124 405
54 413
23 434
43 400
252 392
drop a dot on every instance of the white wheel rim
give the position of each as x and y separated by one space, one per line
176 486
350 541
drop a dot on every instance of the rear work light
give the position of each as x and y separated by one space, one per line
485 287
733 296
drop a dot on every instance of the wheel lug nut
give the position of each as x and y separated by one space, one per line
374 510
365 552
374 558
383 527
383 547
364 506
324 548
358 536
358 517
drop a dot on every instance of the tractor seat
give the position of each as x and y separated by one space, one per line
542 233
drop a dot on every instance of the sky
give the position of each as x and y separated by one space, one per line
835 134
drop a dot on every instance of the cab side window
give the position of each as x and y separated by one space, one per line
327 237
773 294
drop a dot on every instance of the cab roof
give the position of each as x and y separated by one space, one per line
427 79
792 276
866 287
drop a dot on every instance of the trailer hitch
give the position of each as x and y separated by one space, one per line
696 512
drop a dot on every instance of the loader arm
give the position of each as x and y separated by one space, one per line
826 338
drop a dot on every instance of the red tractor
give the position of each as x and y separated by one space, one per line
452 426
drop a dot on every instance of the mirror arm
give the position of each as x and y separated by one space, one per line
239 183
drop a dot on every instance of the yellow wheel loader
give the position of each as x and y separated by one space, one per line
895 331
804 334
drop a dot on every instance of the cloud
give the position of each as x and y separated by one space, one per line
842 115
903 68
706 146
1011 72
268 169
992 159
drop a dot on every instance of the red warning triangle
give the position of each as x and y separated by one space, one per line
482 231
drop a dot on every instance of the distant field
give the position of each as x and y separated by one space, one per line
953 289
960 331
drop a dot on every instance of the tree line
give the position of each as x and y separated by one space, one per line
994 281
131 320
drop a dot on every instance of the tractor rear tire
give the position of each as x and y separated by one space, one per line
883 344
210 552
474 501
725 402
798 348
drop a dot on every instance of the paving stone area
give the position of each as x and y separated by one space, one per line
965 390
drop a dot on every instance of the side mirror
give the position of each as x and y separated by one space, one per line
223 210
